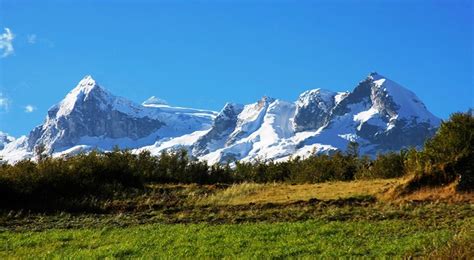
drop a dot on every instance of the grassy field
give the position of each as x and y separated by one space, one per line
247 220
361 238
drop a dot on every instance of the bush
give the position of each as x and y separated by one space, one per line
447 157
390 165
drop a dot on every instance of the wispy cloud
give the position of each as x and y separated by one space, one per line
6 42
29 108
4 103
31 38
35 39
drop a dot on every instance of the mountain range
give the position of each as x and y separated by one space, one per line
378 113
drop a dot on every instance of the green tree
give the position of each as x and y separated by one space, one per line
451 150
446 157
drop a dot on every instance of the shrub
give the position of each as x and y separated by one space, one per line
390 165
447 157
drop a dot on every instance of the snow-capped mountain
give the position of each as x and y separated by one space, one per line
379 114
90 117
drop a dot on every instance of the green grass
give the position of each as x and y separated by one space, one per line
307 238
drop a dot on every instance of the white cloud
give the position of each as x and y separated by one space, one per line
6 42
4 103
29 108
31 38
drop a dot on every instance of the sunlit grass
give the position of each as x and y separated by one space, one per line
283 193
309 238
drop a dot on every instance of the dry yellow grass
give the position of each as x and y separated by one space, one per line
446 193
283 193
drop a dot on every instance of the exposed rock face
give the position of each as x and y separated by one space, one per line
313 109
223 126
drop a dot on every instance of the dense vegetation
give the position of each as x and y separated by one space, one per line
55 182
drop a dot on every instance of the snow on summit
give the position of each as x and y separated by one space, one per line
409 105
81 90
153 101
379 113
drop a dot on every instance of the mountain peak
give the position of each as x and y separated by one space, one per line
315 95
154 101
375 76
86 84
265 100
316 91
231 106
230 110
81 92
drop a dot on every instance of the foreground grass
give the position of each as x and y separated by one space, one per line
460 247
308 238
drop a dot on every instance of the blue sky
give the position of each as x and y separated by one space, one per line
204 53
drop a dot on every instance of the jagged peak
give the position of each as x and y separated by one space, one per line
366 86
316 92
231 106
267 99
86 85
385 92
82 91
374 76
230 110
317 95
